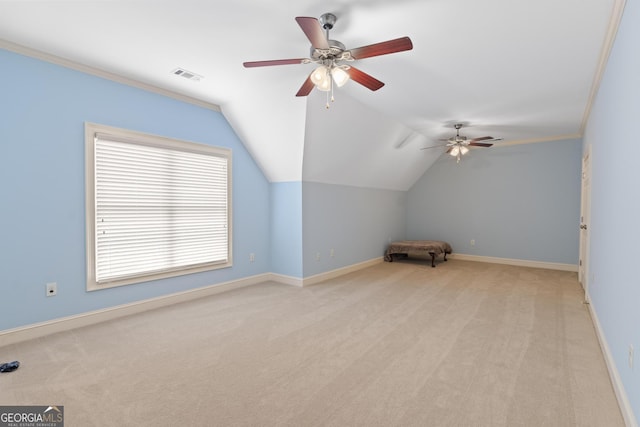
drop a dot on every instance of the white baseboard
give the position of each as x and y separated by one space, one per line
36 330
311 280
614 375
286 280
517 262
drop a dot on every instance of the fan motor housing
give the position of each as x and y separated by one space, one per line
335 51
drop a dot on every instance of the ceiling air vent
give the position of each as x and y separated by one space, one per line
187 74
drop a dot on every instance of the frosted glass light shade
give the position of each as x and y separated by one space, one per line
340 76
325 85
319 75
321 78
462 150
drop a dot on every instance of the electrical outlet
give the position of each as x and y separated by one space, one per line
332 253
252 257
631 356
52 289
317 256
473 242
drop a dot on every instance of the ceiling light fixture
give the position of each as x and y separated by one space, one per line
327 74
458 151
330 70
462 150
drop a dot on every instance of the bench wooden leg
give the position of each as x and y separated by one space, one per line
433 259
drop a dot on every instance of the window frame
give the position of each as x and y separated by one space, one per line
91 130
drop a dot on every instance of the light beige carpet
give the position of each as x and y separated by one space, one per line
397 344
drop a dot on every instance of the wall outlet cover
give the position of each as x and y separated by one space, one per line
52 289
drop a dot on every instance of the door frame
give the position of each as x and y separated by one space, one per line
585 215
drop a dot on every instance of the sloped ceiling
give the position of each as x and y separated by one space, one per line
521 70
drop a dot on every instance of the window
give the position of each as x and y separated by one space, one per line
156 207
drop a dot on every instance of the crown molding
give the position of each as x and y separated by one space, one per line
607 46
47 57
535 140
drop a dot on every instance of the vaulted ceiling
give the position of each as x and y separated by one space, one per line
522 70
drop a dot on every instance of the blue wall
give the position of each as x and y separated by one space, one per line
286 229
613 283
42 238
356 222
517 202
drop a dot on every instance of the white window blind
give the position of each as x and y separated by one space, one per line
159 208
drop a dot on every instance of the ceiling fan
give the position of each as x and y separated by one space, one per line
331 55
458 144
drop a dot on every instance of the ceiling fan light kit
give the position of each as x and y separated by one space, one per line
329 55
457 151
324 76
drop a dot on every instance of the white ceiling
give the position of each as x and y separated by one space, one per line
523 70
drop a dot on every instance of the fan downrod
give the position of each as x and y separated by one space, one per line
458 138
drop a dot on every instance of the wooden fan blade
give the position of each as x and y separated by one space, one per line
383 48
314 32
434 146
252 64
306 87
482 138
364 79
449 150
480 144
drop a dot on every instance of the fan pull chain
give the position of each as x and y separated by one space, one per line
332 99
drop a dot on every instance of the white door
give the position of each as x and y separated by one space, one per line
585 207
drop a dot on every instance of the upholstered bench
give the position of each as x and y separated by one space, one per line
418 247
